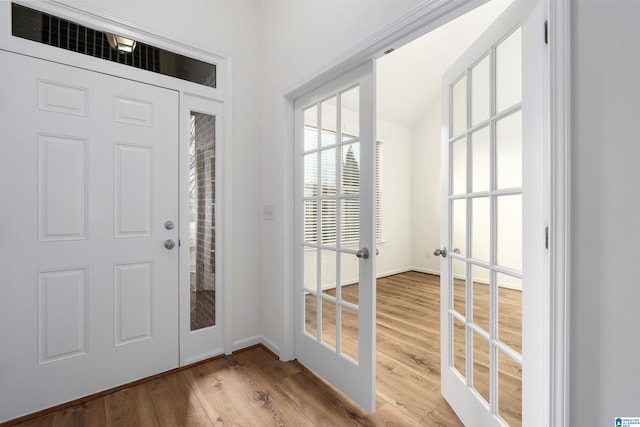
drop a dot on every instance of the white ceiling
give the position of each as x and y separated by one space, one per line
409 78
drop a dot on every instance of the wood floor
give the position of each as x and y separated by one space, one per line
252 388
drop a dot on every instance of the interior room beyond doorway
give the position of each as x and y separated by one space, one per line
409 124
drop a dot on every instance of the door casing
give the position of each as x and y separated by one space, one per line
426 17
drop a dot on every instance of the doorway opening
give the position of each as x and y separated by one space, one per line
409 109
550 160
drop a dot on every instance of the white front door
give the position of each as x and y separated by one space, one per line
88 178
335 233
494 318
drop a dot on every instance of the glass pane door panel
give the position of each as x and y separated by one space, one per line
509 71
350 117
328 271
328 173
480 160
311 128
509 390
350 185
350 229
481 296
459 346
481 228
510 311
481 366
480 92
311 314
459 106
311 221
349 278
459 279
509 151
311 175
509 239
202 202
329 323
459 166
459 221
350 168
327 138
329 121
328 222
311 269
349 336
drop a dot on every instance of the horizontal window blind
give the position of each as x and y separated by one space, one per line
321 215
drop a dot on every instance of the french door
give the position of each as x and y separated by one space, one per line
494 319
89 250
335 233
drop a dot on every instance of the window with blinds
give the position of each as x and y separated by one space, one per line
349 171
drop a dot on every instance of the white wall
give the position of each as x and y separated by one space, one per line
605 293
298 37
395 249
233 27
426 191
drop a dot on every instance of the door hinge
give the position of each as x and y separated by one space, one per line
546 237
546 32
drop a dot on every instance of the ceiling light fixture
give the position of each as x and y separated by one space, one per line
120 43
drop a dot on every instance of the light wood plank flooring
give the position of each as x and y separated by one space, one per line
252 388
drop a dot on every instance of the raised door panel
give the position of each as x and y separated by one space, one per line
62 98
133 190
62 314
133 291
62 188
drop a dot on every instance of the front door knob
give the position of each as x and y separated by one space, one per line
169 244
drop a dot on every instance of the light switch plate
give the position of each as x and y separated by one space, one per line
268 212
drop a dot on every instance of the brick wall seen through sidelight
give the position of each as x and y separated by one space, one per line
202 183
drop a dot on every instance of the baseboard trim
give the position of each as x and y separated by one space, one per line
425 270
270 345
393 272
246 343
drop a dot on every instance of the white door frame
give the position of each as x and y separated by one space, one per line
429 15
222 94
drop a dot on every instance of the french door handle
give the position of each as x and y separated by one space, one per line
440 252
363 253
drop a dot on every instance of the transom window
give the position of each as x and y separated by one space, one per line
54 31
